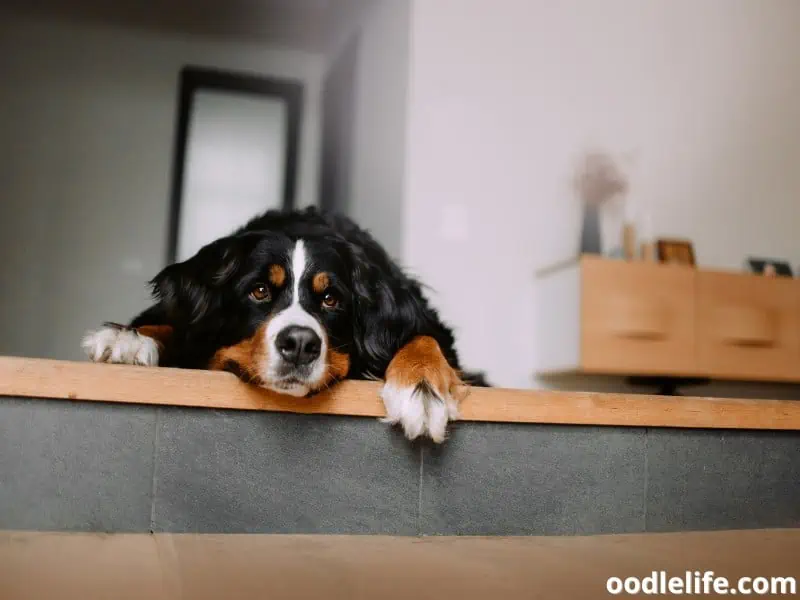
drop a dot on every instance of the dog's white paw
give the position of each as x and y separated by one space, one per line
120 346
420 409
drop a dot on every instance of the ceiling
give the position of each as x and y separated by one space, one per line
311 25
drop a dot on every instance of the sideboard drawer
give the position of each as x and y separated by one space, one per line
748 326
637 318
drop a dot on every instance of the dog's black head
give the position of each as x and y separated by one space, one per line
293 302
277 310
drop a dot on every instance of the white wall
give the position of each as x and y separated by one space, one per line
506 94
379 139
86 139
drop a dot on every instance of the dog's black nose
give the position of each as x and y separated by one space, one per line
298 345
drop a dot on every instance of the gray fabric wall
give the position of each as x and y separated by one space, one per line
102 467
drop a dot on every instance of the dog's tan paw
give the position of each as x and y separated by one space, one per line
422 390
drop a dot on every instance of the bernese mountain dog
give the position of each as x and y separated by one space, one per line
293 302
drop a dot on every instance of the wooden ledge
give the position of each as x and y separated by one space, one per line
210 566
38 378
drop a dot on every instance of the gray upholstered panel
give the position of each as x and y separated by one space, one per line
507 479
75 466
103 467
703 479
272 472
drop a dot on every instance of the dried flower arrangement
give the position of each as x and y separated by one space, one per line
598 180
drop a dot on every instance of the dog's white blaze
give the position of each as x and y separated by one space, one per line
295 315
298 268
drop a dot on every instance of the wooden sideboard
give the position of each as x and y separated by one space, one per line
614 317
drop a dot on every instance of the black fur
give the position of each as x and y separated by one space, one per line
382 307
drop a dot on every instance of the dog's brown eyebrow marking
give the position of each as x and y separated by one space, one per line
320 282
277 275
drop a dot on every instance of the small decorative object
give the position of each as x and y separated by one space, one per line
590 231
647 246
676 252
629 241
597 182
770 267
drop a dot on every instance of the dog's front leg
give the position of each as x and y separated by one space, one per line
422 390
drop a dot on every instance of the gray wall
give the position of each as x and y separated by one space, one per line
378 153
86 139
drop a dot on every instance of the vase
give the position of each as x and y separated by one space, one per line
590 232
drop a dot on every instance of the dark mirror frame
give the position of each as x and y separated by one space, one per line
194 79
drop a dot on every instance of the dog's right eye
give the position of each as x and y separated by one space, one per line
260 293
330 300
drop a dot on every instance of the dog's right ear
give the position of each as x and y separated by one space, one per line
184 289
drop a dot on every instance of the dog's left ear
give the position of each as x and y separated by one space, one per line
388 310
184 289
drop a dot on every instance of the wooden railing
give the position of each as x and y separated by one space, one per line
39 378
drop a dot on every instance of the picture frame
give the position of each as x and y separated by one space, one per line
770 267
675 251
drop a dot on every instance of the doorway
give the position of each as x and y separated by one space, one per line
235 154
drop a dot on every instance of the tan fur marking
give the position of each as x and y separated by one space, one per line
422 360
320 282
161 334
277 275
247 356
338 367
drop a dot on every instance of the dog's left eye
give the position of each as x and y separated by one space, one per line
260 293
329 300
